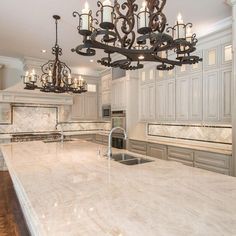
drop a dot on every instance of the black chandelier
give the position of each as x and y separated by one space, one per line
169 47
56 75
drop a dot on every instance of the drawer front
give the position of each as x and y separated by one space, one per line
138 147
180 154
212 168
87 137
156 150
187 163
212 159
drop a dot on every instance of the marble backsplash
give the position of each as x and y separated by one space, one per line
215 134
37 119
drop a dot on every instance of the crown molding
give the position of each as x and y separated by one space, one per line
10 62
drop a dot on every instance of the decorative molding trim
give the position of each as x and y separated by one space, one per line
11 62
35 98
218 27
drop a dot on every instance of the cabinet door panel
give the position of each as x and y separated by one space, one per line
157 150
160 101
182 98
143 103
226 94
151 102
211 98
78 107
90 106
170 100
195 97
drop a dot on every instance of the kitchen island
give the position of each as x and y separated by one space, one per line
71 189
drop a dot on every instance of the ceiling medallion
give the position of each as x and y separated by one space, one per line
56 75
155 42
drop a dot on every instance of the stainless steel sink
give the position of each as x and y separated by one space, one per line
122 157
136 161
128 159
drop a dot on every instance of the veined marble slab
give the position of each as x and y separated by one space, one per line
69 189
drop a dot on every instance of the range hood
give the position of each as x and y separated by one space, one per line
17 94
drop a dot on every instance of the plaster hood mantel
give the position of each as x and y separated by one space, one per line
32 97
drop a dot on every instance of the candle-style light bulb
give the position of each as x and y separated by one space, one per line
180 19
144 4
107 11
27 73
143 16
50 76
85 18
33 72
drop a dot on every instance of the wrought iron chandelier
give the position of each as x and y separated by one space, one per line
168 46
56 75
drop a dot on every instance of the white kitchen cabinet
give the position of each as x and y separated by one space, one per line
118 98
195 97
143 100
197 67
165 100
147 102
161 101
147 75
77 111
170 100
211 96
106 98
226 94
226 54
211 58
90 106
182 98
106 82
182 70
85 106
106 89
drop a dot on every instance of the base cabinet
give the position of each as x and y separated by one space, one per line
101 139
138 147
184 156
213 162
157 151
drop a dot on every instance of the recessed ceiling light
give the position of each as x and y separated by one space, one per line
91 60
141 57
43 50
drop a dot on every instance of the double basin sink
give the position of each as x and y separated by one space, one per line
129 159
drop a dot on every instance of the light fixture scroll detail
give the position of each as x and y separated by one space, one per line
116 33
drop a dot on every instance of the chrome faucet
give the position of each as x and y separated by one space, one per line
62 133
109 152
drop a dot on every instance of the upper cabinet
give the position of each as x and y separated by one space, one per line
118 94
165 100
190 93
106 89
211 96
227 54
85 106
147 102
147 75
218 56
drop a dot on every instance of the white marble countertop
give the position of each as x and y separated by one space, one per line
195 145
69 189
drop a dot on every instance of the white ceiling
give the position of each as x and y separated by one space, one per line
26 26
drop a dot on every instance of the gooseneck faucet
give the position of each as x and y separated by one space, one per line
109 152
